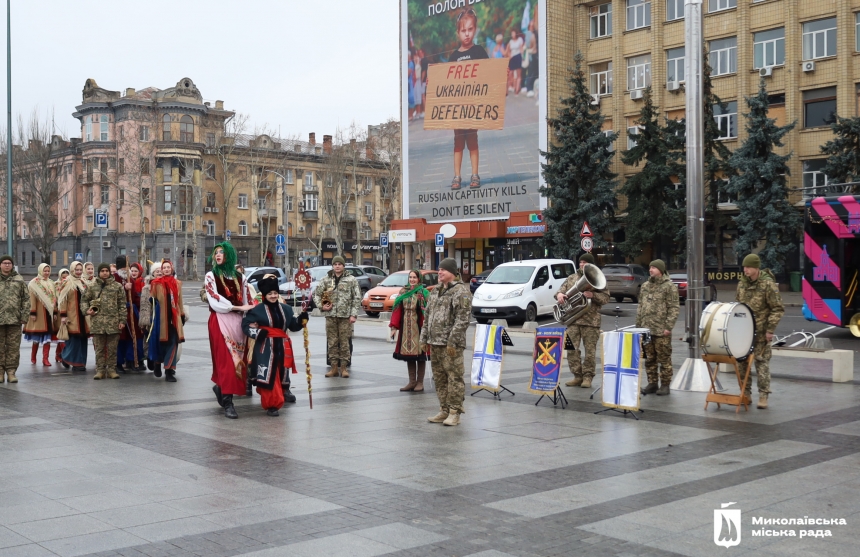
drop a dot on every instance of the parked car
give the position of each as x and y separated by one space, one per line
375 274
254 274
520 290
625 280
478 280
680 280
317 273
381 298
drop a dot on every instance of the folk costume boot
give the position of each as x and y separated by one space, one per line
333 372
288 395
249 391
10 373
229 409
34 353
411 385
46 355
419 381
649 388
575 382
762 401
170 375
440 417
586 383
157 371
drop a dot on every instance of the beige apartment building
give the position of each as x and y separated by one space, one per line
807 51
175 172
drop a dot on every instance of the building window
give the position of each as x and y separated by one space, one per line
120 196
311 202
723 56
243 200
638 72
675 64
368 210
144 195
209 170
210 227
611 135
168 199
143 133
632 130
720 5
368 233
243 228
288 175
674 10
601 21
121 166
819 39
105 195
66 201
638 14
814 176
819 107
165 128
727 120
103 127
144 166
90 196
88 124
210 140
261 203
769 48
857 31
289 203
186 129
601 78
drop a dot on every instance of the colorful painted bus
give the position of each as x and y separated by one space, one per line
831 245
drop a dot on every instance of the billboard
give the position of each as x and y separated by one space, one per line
473 108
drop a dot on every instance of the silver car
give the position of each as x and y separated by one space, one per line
625 280
375 274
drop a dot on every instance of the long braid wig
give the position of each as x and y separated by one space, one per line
228 268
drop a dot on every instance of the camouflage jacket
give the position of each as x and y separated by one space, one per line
14 299
448 314
762 296
346 298
111 302
591 317
658 306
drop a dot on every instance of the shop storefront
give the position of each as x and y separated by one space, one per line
370 252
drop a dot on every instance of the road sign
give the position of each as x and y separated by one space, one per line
79 256
101 219
383 240
280 249
440 240
440 249
586 230
280 240
587 243
227 235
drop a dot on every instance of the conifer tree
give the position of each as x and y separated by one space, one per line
760 188
580 185
843 151
655 202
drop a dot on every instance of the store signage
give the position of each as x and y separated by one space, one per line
348 246
395 236
536 229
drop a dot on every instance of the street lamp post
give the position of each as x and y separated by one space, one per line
10 228
286 221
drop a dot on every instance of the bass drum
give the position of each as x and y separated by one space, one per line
727 329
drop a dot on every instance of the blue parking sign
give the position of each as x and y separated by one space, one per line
440 240
383 240
101 219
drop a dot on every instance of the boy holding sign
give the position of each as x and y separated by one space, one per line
467 28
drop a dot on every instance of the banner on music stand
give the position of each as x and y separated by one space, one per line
547 355
487 358
622 361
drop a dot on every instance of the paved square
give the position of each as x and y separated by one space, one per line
141 467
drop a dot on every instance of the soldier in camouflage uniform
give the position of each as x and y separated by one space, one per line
106 323
758 289
448 313
340 313
585 329
14 312
658 311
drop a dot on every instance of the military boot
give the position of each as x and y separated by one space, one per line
2 376
575 382
11 375
762 401
100 374
333 371
452 419
586 383
439 418
663 390
344 370
649 388
112 374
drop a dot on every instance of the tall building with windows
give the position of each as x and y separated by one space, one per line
808 53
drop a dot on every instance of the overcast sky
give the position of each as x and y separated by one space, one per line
298 66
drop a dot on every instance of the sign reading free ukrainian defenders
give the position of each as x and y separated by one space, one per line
546 371
474 108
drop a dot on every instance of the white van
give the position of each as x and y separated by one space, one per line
521 290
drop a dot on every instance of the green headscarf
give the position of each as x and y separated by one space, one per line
228 268
419 288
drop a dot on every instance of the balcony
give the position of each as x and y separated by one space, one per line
310 215
310 188
265 186
349 217
263 213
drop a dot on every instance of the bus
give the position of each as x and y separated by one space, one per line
831 247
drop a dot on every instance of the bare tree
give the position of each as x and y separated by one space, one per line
339 194
226 150
189 202
383 149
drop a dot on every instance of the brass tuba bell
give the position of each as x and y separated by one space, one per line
575 303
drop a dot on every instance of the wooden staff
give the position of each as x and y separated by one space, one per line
307 356
130 314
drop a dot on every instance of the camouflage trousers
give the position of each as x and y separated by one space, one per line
10 348
448 377
659 351
338 330
588 336
762 354
105 347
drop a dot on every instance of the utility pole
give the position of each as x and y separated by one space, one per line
286 222
10 224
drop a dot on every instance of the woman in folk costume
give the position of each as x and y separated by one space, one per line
61 278
408 318
73 315
43 305
168 318
89 277
270 351
150 346
228 297
132 333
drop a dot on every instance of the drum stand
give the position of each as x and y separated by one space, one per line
734 400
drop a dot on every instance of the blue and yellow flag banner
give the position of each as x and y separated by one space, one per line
548 351
622 358
487 358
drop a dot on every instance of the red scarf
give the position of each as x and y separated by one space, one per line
172 287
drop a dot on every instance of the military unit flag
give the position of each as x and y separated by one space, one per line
487 358
622 357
